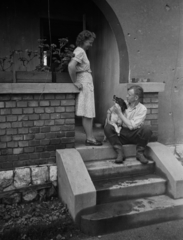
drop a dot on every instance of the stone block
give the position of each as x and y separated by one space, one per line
28 110
12 199
44 103
1 104
75 186
67 102
49 109
16 111
17 150
29 196
10 104
39 175
53 173
6 178
22 177
5 125
169 166
10 188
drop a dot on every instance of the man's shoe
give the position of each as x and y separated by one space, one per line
120 156
92 143
141 158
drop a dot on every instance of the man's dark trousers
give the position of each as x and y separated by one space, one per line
139 136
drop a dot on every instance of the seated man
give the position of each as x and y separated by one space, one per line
133 129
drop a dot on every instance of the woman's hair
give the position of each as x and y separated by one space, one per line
83 36
138 90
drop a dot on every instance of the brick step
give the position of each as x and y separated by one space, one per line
109 169
110 190
118 216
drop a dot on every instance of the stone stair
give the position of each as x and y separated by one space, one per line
115 183
122 196
122 215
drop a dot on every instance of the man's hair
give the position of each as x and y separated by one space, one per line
83 36
138 90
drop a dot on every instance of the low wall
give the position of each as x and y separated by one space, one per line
26 184
35 120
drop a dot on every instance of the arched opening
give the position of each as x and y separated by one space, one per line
108 56
119 36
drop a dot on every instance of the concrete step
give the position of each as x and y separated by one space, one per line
110 190
109 169
118 216
90 153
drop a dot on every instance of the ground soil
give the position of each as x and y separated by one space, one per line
38 221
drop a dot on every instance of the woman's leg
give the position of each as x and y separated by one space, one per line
88 127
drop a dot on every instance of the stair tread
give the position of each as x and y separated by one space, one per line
130 207
110 163
116 183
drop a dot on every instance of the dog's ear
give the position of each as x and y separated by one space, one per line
123 106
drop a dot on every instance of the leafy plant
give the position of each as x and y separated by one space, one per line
61 55
28 56
7 61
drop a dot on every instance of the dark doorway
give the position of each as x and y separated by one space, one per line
60 28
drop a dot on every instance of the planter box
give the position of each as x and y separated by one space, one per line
33 77
61 77
6 77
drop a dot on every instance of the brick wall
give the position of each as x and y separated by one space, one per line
151 102
33 126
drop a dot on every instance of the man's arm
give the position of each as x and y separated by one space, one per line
125 120
109 112
136 121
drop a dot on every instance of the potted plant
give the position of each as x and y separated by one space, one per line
6 64
41 74
60 58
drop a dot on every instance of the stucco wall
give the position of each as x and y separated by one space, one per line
154 37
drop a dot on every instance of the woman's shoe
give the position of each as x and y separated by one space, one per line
92 143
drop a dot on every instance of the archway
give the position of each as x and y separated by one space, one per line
108 56
120 38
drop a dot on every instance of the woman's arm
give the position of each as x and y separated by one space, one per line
72 73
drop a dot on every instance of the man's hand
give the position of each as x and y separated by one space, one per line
117 109
79 86
109 122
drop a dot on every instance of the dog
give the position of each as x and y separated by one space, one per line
113 117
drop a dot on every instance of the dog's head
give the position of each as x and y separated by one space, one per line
121 103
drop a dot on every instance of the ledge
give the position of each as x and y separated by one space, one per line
24 88
150 86
167 164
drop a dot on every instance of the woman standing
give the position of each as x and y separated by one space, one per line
80 73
